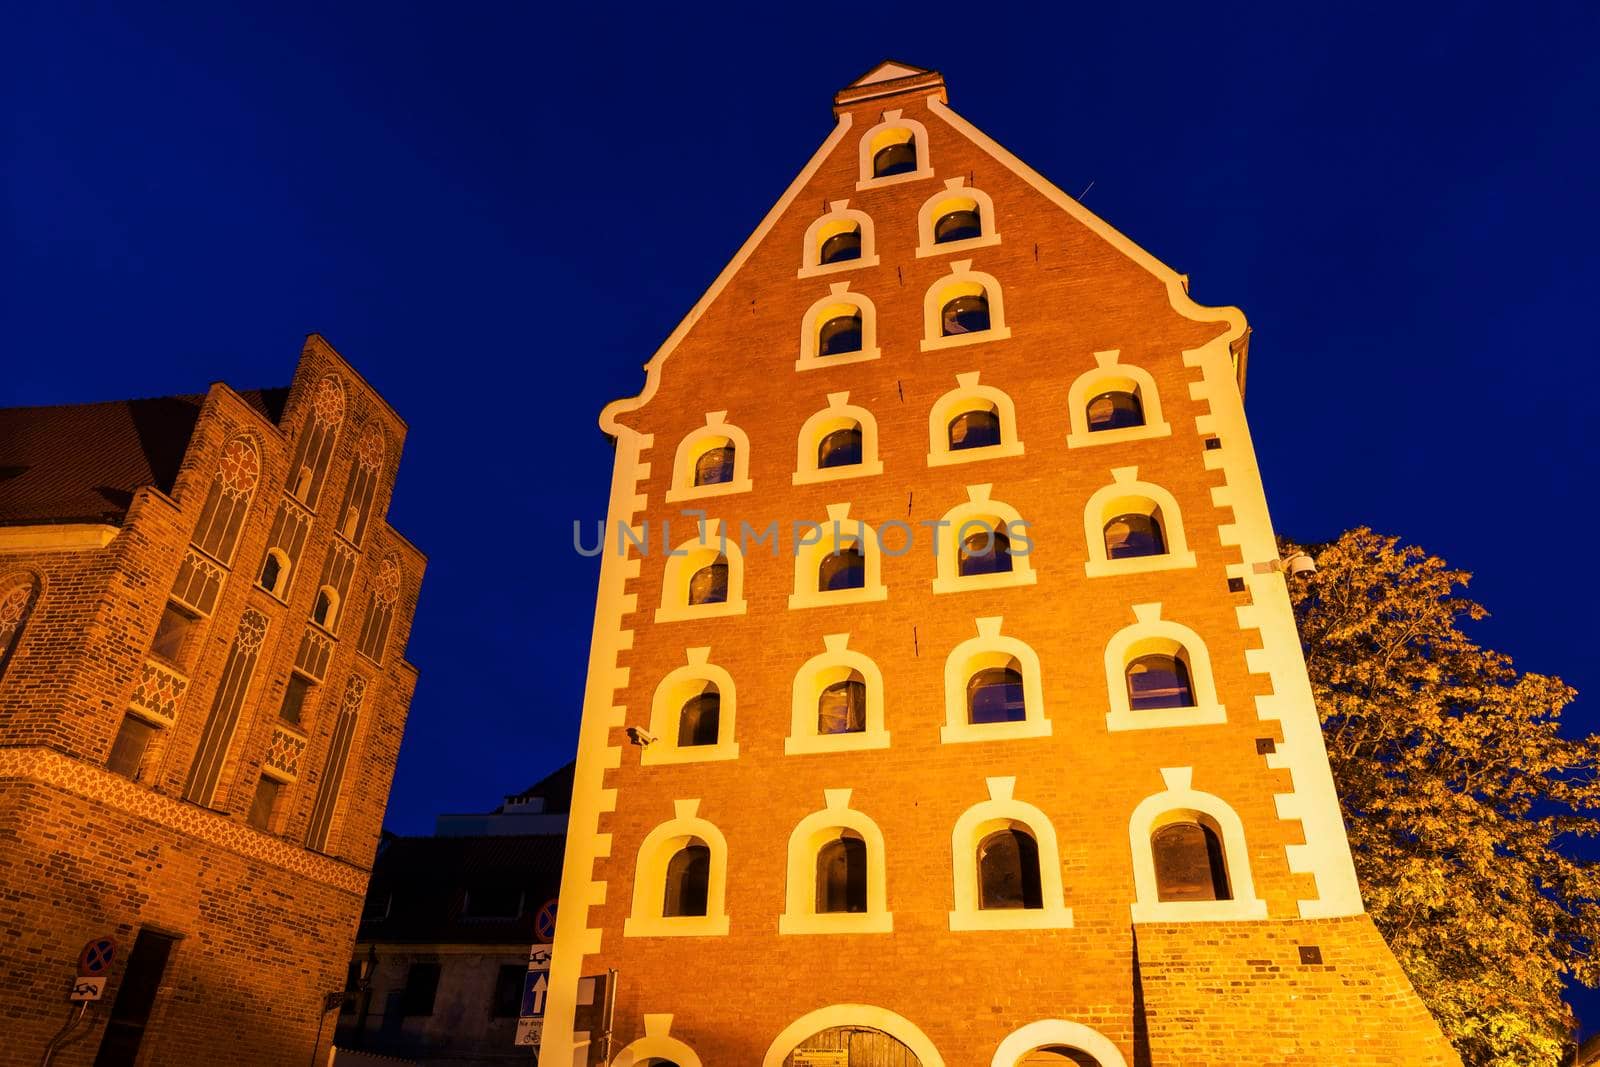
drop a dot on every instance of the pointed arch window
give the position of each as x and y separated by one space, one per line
362 487
1008 870
333 771
314 449
223 720
228 500
381 601
16 604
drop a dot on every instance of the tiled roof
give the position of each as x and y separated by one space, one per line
425 881
83 462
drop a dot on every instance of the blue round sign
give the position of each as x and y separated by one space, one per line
544 922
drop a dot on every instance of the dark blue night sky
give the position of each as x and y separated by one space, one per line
468 200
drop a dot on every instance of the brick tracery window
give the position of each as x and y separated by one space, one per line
381 601
223 720
333 770
314 449
228 500
17 596
359 492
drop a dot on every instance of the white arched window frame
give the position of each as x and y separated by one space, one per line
973 518
840 218
656 1046
1057 1033
1128 495
991 649
962 281
1181 802
820 540
666 707
815 675
1151 634
891 131
717 432
957 195
895 1025
968 395
839 301
800 914
689 557
1001 811
838 415
650 878
1111 374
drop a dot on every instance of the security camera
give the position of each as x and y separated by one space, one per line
640 737
1300 565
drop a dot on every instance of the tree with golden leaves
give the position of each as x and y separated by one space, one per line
1462 797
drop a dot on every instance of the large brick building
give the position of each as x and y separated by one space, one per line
203 684
906 794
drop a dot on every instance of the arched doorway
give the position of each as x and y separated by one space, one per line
852 1046
1057 1043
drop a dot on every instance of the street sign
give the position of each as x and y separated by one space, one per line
529 1031
88 988
544 921
96 957
534 987
539 958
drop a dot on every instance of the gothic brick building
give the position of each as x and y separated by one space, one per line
1010 757
203 684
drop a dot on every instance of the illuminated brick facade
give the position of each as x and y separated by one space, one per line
973 298
181 564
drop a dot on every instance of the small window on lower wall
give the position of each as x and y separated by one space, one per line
265 803
128 750
1007 865
1190 859
507 1003
422 986
680 879
1008 870
836 881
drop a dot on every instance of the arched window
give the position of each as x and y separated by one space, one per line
688 881
16 603
987 551
228 499
699 719
961 222
843 568
709 584
842 875
995 694
842 246
963 307
842 706
1116 409
1188 862
897 154
1159 681
841 333
1135 534
715 465
1008 871
325 611
275 572
314 447
840 448
965 313
385 593
978 427
363 484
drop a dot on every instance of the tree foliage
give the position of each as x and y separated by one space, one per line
1463 799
